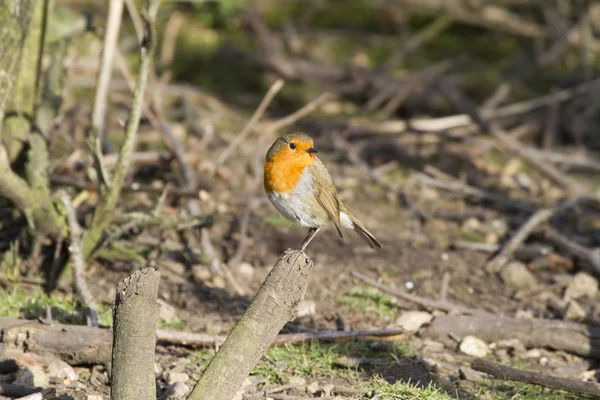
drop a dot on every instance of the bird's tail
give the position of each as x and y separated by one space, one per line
364 233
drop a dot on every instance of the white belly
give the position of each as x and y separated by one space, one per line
299 206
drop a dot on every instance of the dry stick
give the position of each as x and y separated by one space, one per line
85 345
460 187
464 104
113 25
108 201
258 113
591 256
274 305
135 318
553 382
456 121
135 187
538 218
78 262
42 395
300 113
422 301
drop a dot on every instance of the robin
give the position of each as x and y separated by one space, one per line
301 189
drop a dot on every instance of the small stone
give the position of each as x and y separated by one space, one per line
589 375
533 353
513 345
93 397
431 346
574 312
544 360
524 314
412 321
246 271
174 377
313 388
327 389
306 308
470 374
201 273
33 375
297 380
582 285
516 276
473 346
59 369
178 390
168 313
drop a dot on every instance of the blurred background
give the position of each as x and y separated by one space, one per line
462 133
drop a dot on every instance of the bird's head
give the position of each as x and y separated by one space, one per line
293 148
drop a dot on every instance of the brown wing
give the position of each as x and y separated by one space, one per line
326 194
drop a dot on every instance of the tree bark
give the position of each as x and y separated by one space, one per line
134 337
273 306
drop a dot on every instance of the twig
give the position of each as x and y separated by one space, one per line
78 262
553 382
455 121
258 113
300 113
42 395
108 200
521 235
422 301
591 256
464 104
134 187
113 25
460 187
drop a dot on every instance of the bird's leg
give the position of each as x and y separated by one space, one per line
312 232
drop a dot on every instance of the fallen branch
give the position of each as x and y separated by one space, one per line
134 338
591 256
521 235
580 339
77 261
422 301
274 305
88 345
553 382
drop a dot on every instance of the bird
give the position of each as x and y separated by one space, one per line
299 186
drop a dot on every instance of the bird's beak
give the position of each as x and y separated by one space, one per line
311 150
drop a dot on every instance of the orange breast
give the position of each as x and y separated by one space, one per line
282 177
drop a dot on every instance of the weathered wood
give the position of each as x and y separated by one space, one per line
553 382
580 339
134 337
273 306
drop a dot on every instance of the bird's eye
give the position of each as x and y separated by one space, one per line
293 146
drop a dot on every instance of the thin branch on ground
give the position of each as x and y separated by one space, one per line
78 262
533 222
592 256
422 301
536 378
